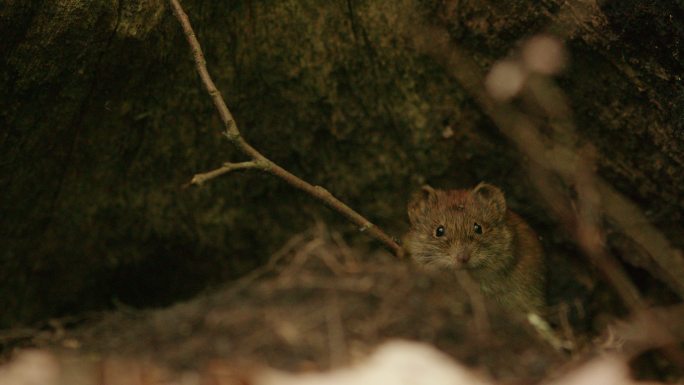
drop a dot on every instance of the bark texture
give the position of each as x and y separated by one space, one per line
104 119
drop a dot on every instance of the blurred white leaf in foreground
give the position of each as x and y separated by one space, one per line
505 80
544 54
31 367
396 362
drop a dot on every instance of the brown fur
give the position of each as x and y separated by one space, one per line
506 258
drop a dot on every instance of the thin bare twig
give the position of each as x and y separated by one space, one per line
199 179
259 161
477 302
337 343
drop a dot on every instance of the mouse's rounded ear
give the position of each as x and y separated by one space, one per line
491 199
420 201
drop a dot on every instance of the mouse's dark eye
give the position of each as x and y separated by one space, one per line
440 231
477 228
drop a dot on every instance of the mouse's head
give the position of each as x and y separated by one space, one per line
459 228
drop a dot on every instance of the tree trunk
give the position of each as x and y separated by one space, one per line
104 120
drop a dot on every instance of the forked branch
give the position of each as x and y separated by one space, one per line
258 161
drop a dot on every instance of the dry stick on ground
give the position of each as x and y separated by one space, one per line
258 161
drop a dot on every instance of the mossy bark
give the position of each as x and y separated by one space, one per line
104 120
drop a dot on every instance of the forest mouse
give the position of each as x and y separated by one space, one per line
475 231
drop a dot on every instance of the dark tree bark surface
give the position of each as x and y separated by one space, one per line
104 119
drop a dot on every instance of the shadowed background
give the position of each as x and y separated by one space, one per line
104 119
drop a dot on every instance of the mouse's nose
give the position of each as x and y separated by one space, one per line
460 253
